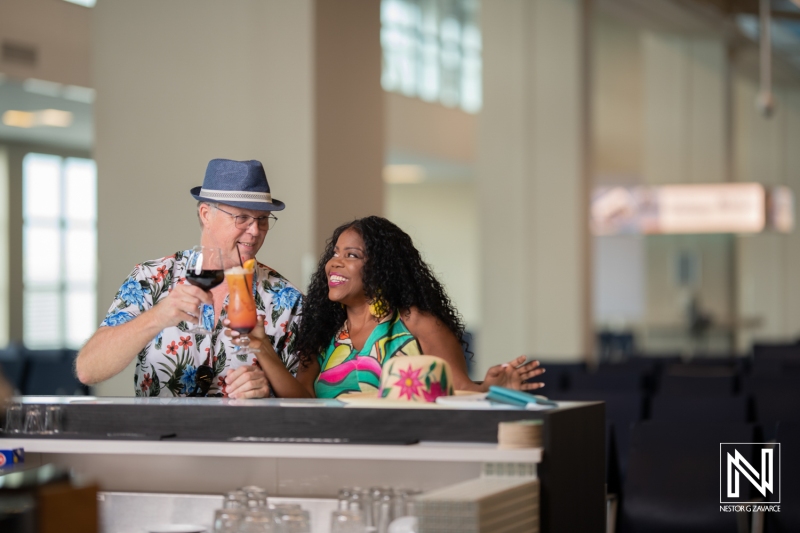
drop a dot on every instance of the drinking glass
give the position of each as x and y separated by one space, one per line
256 497
33 419
52 419
241 306
344 498
235 499
257 520
346 522
204 270
14 418
292 521
227 520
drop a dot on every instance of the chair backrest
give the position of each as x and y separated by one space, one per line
767 384
776 406
623 410
673 478
14 372
700 408
48 376
698 385
620 380
764 349
556 376
788 434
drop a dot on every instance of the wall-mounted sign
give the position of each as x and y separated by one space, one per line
701 208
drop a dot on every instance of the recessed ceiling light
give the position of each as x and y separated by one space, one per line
53 117
18 119
29 119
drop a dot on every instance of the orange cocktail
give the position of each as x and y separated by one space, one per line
241 306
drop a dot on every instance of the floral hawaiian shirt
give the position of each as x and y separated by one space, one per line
167 365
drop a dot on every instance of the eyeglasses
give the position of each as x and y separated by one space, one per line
245 221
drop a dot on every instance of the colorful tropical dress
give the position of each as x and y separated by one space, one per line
167 365
343 369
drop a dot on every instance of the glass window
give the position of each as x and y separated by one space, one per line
432 50
59 250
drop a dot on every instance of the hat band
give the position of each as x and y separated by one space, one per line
238 196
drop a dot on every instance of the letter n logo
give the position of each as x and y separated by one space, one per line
735 469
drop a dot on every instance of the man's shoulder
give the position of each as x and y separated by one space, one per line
168 261
278 290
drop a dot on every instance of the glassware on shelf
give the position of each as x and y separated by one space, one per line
256 497
292 519
33 419
344 498
52 419
346 522
14 418
227 520
235 499
257 520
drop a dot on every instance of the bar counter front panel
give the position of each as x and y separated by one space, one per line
314 447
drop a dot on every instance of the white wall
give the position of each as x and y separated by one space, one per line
768 265
617 101
619 281
533 181
442 219
179 83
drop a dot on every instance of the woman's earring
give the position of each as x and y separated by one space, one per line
378 307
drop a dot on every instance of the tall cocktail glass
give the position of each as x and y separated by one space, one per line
241 306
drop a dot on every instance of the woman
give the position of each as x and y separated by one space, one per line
373 298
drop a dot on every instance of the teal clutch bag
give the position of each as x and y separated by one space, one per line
517 397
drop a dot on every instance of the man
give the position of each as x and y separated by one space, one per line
155 306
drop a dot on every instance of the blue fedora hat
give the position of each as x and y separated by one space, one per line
237 183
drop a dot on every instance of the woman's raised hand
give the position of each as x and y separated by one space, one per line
514 374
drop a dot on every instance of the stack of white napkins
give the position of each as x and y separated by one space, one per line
483 505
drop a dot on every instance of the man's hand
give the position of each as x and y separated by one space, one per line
247 382
180 305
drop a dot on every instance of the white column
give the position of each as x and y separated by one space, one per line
532 181
686 128
686 107
767 281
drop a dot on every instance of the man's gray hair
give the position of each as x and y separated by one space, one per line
208 203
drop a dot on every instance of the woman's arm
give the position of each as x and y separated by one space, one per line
307 375
436 339
283 384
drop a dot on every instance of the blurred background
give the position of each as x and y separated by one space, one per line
590 179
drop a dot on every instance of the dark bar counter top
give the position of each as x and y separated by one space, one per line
570 465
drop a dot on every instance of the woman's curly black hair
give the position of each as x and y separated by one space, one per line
393 269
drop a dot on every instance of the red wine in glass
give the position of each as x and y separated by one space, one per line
206 279
204 270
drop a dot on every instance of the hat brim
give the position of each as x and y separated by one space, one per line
274 205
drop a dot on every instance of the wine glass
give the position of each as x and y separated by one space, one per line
204 270
241 306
